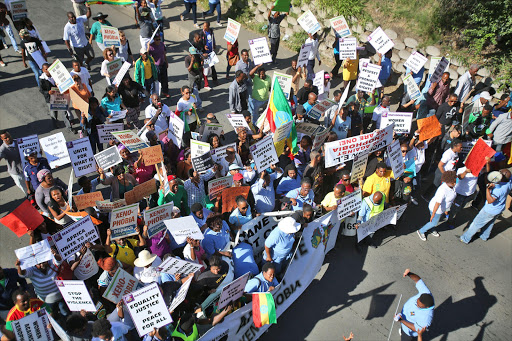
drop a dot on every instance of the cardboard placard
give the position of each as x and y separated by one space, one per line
174 266
114 67
260 51
24 218
415 61
233 291
176 129
130 140
107 206
304 55
181 228
368 77
33 327
229 195
72 238
429 127
264 153
108 158
123 221
306 128
281 134
82 158
34 254
475 160
54 147
396 159
467 145
402 121
76 295
309 23
110 36
359 166
340 26
349 204
141 191
216 186
232 30
83 201
61 76
152 155
78 102
154 218
380 41
347 48
122 284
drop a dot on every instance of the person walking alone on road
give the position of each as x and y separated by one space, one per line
274 31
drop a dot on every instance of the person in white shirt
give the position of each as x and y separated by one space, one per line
313 53
378 111
75 39
188 103
83 73
440 203
466 83
230 162
330 113
159 113
448 160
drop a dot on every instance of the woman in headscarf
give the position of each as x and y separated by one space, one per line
120 182
47 182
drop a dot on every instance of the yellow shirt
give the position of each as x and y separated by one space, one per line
125 254
350 69
375 183
147 69
330 200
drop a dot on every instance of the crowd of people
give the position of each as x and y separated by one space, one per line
298 182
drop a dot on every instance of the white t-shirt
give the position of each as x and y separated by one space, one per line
341 128
445 196
84 76
87 267
162 122
418 155
325 94
377 114
466 186
184 105
450 159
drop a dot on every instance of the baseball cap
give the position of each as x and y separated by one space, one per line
238 177
29 151
234 166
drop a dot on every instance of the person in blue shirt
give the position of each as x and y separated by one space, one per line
279 243
496 195
216 237
312 97
33 166
418 312
240 215
263 190
264 281
385 63
199 214
302 195
290 181
243 260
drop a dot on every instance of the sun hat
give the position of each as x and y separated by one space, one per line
145 258
288 225
100 16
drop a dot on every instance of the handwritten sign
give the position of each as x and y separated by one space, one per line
71 239
429 127
376 222
87 200
61 76
114 66
76 295
104 131
154 218
347 48
402 121
368 77
233 291
259 51
34 254
54 147
415 61
304 55
141 191
216 186
110 36
152 155
232 30
340 26
264 153
181 228
476 157
396 159
309 23
176 128
82 158
123 221
380 41
122 284
130 140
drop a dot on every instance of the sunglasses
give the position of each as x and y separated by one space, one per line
244 208
404 151
345 179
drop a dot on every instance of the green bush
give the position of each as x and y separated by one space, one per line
296 40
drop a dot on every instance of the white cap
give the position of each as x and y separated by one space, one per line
486 95
288 225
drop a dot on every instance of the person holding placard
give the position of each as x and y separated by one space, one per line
111 101
43 277
100 19
187 106
177 195
79 70
303 93
263 190
330 201
195 185
146 72
81 90
23 306
341 124
239 98
89 123
145 267
109 56
313 53
129 92
119 182
302 195
274 31
249 69
232 56
386 65
33 52
378 111
297 74
438 92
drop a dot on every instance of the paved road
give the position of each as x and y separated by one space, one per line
353 292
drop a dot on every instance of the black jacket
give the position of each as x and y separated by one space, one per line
12 282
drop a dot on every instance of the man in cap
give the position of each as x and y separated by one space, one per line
75 38
9 152
32 51
480 101
100 19
146 72
33 166
279 243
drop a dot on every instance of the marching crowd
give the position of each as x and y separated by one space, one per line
298 181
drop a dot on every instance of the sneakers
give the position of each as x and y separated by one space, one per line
414 201
196 25
207 88
182 17
219 24
422 236
435 233
18 51
2 64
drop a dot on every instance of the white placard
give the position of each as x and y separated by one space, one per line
174 266
359 166
154 218
400 210
396 159
282 132
117 115
318 81
76 295
415 61
123 221
309 23
285 81
104 131
368 77
219 153
122 284
304 55
57 328
233 291
216 186
259 51
108 158
176 129
438 66
237 121
110 36
27 142
54 147
349 204
130 140
232 30
61 76
198 148
211 60
380 41
181 228
87 266
70 188
180 295
71 239
347 48
339 24
412 88
33 327
209 129
264 153
321 107
402 121
382 219
147 309
34 254
120 74
82 158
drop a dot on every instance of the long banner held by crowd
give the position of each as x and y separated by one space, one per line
72 238
376 222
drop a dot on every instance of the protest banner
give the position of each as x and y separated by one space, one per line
233 291
180 295
72 238
282 6
24 218
176 129
58 101
211 129
415 61
285 81
348 204
264 153
237 121
76 295
340 26
429 127
120 74
380 41
61 76
229 195
216 186
400 210
475 160
33 327
347 48
34 254
154 218
174 266
110 36
309 23
141 191
467 145
202 163
320 137
412 88
147 309
304 55
57 328
340 151
104 131
402 121
82 158
108 158
130 140
318 81
368 77
107 205
219 153
18 9
259 51
78 102
438 65
395 158
55 150
122 284
359 166
123 221
232 30
152 155
181 228
321 107
87 200
376 222
198 148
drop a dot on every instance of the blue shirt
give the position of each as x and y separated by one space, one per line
280 245
260 284
209 40
238 219
307 107
243 260
364 211
420 317
215 241
500 192
385 70
418 77
201 222
110 106
287 184
295 194
30 171
264 197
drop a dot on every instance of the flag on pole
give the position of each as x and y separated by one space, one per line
279 112
110 2
263 309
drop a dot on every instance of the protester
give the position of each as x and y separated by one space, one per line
313 53
109 56
274 31
33 52
265 281
146 72
96 32
75 39
9 152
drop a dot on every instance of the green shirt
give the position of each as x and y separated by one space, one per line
96 31
261 88
179 199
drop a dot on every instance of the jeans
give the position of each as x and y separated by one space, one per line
310 67
228 67
163 78
149 85
35 69
195 91
95 142
458 205
194 81
431 224
190 6
7 28
256 108
481 220
214 7
274 46
19 180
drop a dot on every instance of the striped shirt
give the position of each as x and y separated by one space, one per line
44 283
197 193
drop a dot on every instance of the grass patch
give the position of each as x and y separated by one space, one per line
296 40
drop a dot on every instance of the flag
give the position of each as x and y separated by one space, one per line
23 218
279 112
111 2
263 309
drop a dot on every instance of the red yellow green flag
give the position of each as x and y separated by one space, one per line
111 2
263 309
